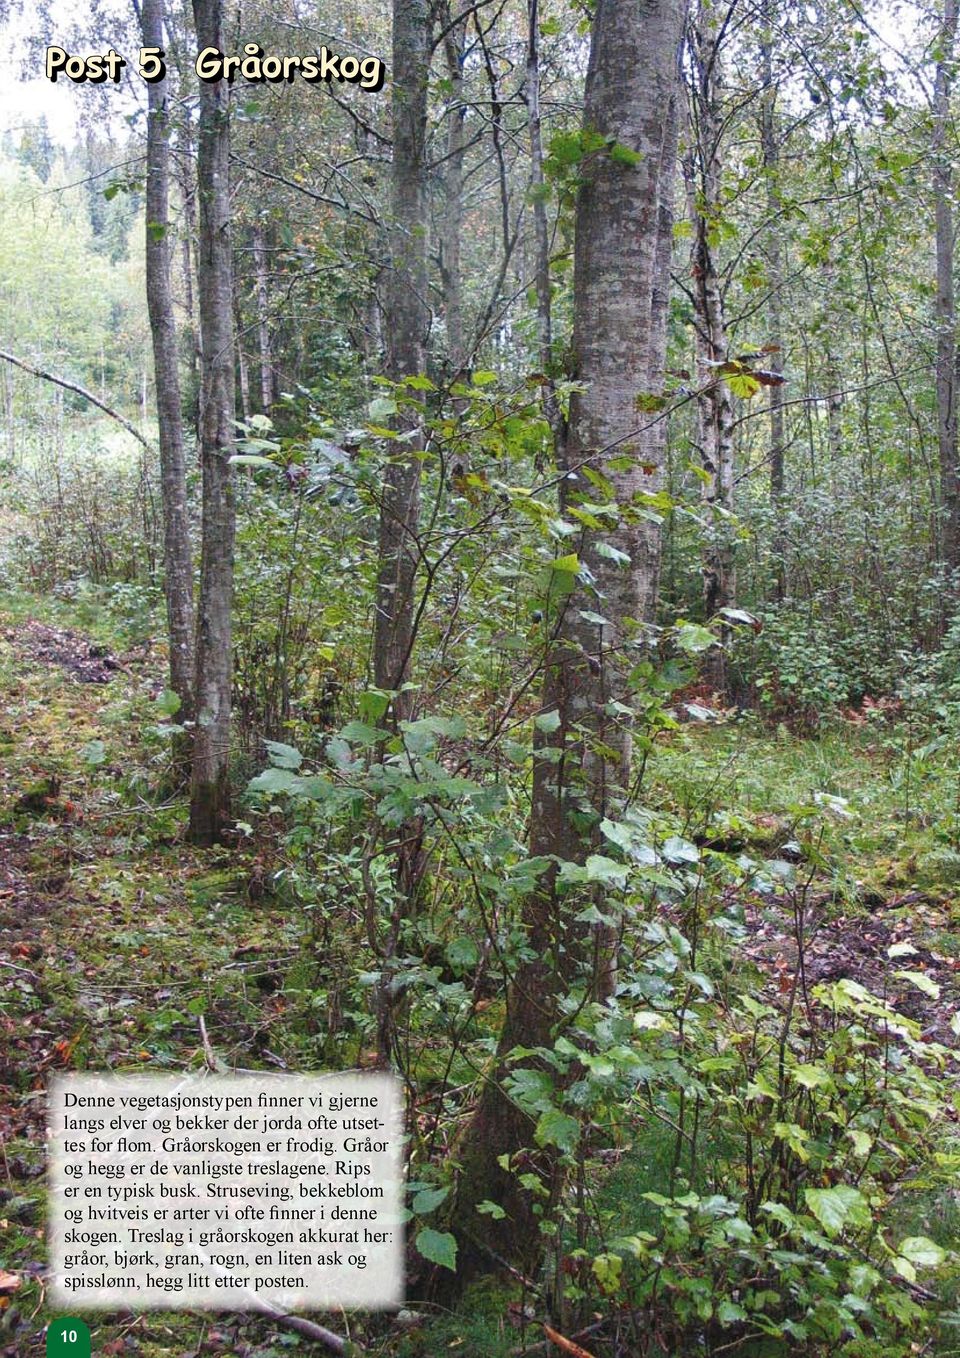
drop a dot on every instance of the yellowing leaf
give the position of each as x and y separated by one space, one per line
743 385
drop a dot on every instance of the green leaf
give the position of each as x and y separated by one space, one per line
274 780
556 1128
677 850
901 950
440 1247
606 871
491 1209
743 385
168 703
359 733
834 1208
547 721
94 752
566 565
693 639
863 1279
922 1251
532 1089
780 1212
463 953
283 756
729 1313
381 408
428 1199
862 1141
610 553
810 1077
922 981
373 703
624 155
252 460
905 1268
597 869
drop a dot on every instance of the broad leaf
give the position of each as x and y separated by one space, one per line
834 1208
922 1251
440 1247
283 756
556 1128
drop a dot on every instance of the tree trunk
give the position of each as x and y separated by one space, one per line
407 324
6 379
945 305
210 790
714 403
177 554
770 146
551 405
243 368
183 164
452 227
267 380
581 768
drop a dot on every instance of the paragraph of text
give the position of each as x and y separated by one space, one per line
226 1192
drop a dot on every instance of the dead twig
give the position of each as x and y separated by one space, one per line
310 1330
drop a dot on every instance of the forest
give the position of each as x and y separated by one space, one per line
480 600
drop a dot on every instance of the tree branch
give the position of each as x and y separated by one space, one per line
309 1329
78 390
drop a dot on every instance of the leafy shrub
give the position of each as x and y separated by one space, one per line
771 1141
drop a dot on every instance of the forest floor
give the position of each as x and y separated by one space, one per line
116 937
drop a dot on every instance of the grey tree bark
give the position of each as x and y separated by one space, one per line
770 147
582 767
210 789
406 329
452 226
406 325
177 552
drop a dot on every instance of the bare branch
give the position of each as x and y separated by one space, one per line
76 388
